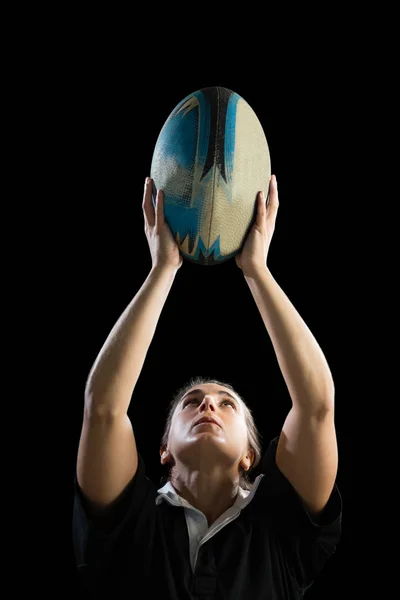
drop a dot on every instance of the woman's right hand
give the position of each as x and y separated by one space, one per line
163 248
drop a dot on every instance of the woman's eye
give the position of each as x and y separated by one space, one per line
189 402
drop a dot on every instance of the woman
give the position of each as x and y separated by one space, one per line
207 533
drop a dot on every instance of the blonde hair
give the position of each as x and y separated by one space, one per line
254 436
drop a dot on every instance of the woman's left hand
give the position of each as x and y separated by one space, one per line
253 256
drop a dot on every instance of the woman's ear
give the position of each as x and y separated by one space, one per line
165 455
248 460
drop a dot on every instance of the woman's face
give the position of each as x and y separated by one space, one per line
195 445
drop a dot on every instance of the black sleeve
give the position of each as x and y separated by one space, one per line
94 538
308 541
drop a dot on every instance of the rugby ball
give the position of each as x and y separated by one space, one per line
211 159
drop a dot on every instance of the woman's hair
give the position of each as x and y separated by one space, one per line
254 437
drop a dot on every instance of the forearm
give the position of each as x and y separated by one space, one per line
117 368
302 363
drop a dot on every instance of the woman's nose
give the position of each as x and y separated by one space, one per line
208 402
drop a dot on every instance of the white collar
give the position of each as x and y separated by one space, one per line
169 494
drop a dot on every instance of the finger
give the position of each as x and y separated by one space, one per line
147 203
273 200
260 219
159 208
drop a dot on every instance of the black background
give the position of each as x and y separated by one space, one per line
210 324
